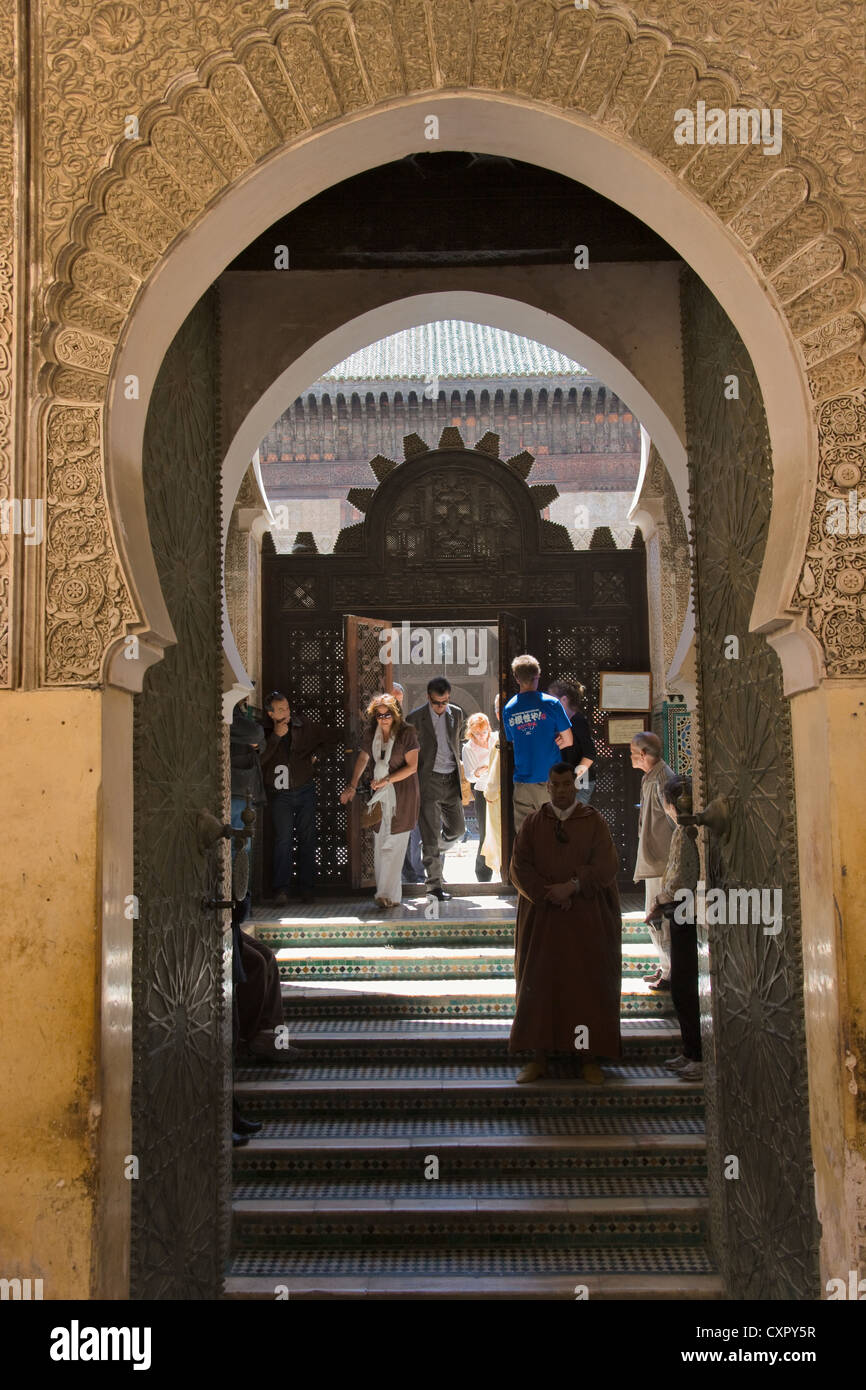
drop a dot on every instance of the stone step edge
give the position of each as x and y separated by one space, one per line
649 1287
495 1030
451 916
342 951
481 1146
341 1208
407 1087
322 994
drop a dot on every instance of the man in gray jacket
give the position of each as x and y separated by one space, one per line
653 843
438 724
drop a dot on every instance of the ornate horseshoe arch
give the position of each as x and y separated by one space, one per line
225 119
202 133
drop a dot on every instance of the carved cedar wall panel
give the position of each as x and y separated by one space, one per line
180 1084
764 1223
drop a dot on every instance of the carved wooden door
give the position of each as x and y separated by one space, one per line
181 1087
512 643
366 642
764 1225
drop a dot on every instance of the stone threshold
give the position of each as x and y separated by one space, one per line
475 1146
521 1287
488 1031
285 1089
599 1208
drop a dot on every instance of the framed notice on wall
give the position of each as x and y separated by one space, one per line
621 728
625 690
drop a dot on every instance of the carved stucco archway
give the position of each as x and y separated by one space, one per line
327 90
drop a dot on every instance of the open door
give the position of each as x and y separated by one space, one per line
366 640
512 643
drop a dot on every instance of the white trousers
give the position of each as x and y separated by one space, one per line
389 851
661 935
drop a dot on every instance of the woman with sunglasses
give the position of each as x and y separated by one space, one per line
393 746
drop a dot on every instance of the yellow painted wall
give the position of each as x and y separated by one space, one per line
829 726
50 770
65 867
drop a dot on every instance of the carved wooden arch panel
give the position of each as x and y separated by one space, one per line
458 505
217 93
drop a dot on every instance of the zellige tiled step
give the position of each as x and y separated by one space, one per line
400 1159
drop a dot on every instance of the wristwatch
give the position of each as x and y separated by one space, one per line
576 882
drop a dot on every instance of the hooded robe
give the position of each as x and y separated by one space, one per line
567 962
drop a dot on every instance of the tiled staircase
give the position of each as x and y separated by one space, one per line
399 1159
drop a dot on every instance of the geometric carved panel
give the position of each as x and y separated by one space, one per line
764 1224
578 651
307 662
608 587
298 595
450 517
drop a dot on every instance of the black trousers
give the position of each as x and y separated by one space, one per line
684 986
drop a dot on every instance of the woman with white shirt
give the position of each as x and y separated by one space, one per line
476 765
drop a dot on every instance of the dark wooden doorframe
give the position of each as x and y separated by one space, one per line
366 675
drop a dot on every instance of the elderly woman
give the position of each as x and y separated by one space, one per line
476 765
393 746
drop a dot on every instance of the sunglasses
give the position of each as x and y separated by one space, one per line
440 702
389 715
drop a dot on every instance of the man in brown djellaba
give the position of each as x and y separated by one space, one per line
568 942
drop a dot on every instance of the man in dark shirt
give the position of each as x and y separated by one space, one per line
289 757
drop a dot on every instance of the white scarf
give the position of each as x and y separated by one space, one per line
564 815
381 760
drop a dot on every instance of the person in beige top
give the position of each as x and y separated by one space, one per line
654 834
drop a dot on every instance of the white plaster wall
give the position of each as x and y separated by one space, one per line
321 515
602 509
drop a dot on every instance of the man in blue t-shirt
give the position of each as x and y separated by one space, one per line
538 728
